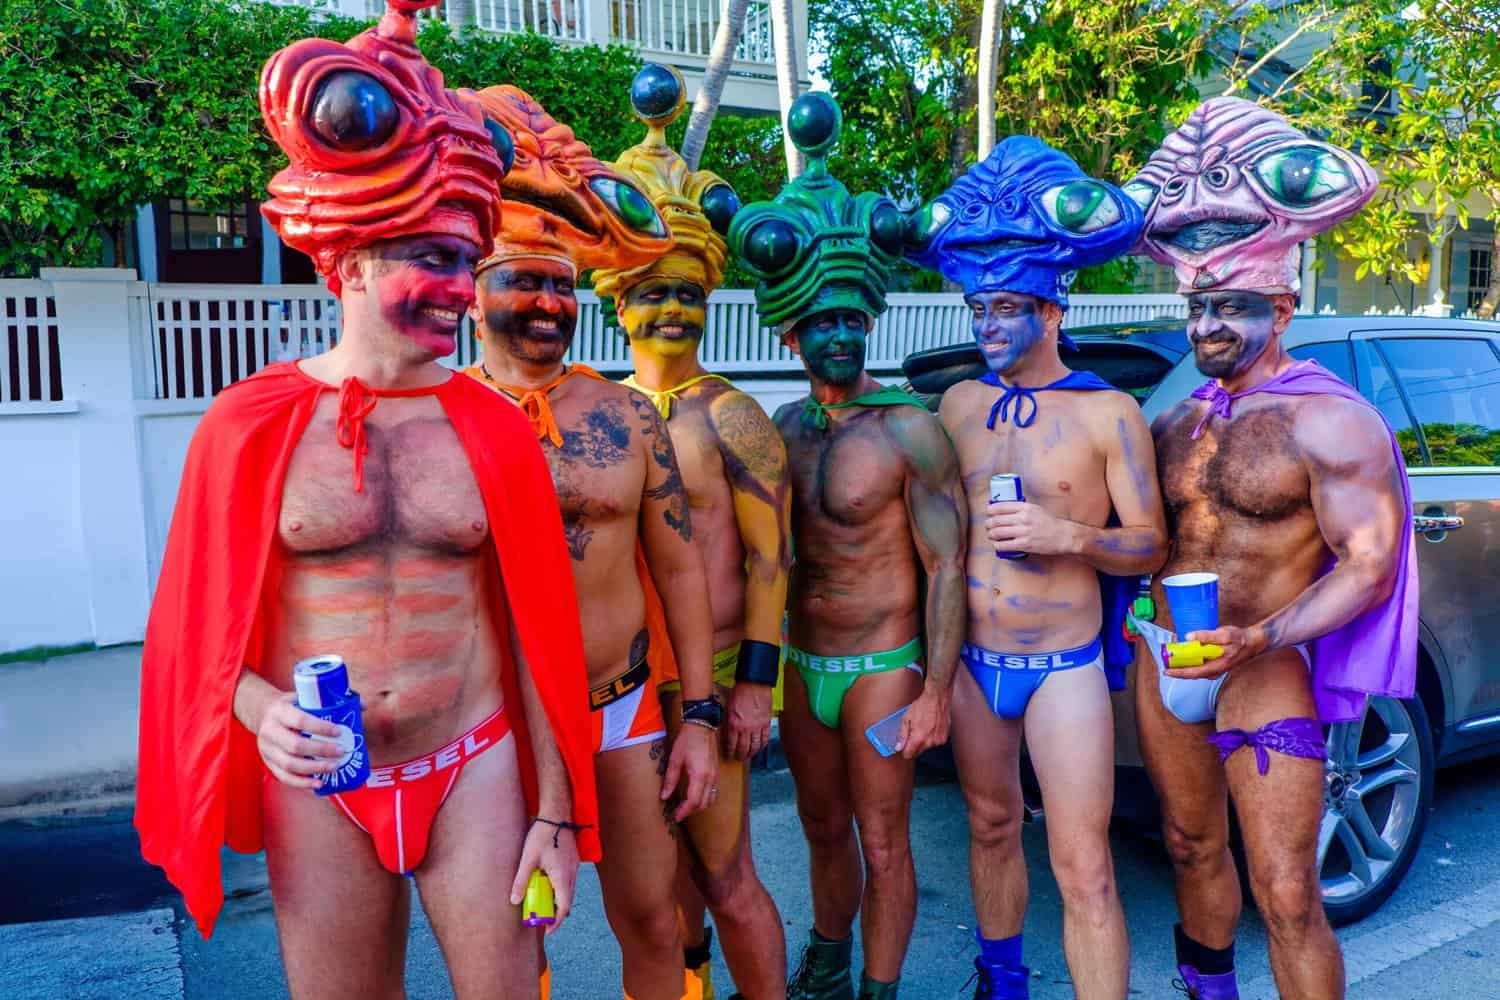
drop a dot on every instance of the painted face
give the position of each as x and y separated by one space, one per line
665 315
528 309
832 345
1006 325
422 287
1229 330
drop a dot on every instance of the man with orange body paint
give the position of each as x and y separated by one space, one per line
625 514
372 504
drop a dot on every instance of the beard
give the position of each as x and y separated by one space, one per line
1218 361
518 334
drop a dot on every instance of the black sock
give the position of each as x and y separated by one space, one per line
696 955
1209 961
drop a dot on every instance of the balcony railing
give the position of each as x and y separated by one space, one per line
687 27
562 19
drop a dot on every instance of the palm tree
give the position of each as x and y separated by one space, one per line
989 46
720 58
783 37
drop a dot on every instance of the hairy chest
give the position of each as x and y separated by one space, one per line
849 474
1247 466
419 489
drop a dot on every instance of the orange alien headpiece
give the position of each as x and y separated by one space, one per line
379 147
560 202
696 204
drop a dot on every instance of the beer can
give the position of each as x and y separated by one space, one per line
322 684
1005 487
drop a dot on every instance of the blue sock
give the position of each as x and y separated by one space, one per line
1002 951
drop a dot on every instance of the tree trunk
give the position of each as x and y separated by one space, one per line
989 49
784 38
1491 300
715 74
964 100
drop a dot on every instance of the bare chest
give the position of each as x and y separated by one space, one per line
597 470
419 489
1247 466
699 457
849 474
1060 467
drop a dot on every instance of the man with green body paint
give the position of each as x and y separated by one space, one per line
876 502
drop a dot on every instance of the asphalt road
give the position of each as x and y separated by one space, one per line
81 917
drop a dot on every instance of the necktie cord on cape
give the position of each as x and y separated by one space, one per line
663 399
815 414
1376 653
1023 397
537 403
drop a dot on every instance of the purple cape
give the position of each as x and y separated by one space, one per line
1376 653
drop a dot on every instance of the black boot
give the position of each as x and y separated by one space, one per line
823 973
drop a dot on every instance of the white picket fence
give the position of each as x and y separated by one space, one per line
29 349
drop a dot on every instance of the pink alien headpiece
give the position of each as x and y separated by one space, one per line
1230 195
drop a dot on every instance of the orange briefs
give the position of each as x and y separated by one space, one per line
626 711
397 805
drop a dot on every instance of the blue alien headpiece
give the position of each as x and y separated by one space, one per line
1023 221
816 247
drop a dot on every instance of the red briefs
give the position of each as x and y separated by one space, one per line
626 711
397 805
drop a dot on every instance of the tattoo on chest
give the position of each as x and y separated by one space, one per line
602 440
670 490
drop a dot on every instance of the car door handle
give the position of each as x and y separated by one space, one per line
1426 524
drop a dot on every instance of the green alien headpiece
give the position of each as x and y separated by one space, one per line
815 246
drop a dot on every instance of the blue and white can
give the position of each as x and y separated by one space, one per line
322 684
1005 487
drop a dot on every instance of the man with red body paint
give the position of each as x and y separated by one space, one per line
372 504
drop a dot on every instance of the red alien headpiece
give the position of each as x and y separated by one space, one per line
379 147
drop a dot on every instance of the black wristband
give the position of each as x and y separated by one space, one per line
759 663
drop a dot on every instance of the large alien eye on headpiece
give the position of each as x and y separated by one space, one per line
719 204
927 223
504 145
353 111
1141 193
629 204
1303 175
1081 206
771 246
888 228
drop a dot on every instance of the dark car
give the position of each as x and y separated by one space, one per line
1437 381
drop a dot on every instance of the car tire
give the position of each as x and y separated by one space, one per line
1377 794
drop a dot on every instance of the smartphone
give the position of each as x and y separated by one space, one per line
885 734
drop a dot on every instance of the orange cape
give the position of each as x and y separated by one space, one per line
199 780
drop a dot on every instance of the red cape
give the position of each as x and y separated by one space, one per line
199 775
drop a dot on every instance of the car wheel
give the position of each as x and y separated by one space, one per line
1377 794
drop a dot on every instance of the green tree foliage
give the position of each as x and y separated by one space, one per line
110 104
1414 85
1102 80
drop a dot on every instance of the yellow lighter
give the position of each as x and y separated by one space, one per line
539 907
1190 654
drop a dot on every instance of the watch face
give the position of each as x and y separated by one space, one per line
710 710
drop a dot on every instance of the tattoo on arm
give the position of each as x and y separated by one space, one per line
755 460
670 490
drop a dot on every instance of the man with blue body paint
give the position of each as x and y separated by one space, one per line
1011 232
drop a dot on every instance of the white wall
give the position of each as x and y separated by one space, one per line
43 599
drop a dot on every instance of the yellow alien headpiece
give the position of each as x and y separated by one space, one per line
696 204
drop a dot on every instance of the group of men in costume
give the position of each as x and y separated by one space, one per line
448 533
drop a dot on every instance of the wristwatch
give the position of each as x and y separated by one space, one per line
708 713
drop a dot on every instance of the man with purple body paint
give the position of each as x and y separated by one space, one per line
1282 480
1011 232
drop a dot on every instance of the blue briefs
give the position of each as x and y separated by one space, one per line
1008 680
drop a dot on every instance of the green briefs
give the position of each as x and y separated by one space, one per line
828 678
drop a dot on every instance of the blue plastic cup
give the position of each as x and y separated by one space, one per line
1194 600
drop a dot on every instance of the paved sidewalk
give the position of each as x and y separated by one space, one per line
68 731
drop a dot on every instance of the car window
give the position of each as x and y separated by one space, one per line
1331 354
1453 387
1376 383
1132 369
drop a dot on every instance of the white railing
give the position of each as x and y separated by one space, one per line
562 19
30 369
687 27
376 9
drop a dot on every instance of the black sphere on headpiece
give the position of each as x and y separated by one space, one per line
813 122
353 111
503 144
771 246
658 93
888 229
719 205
